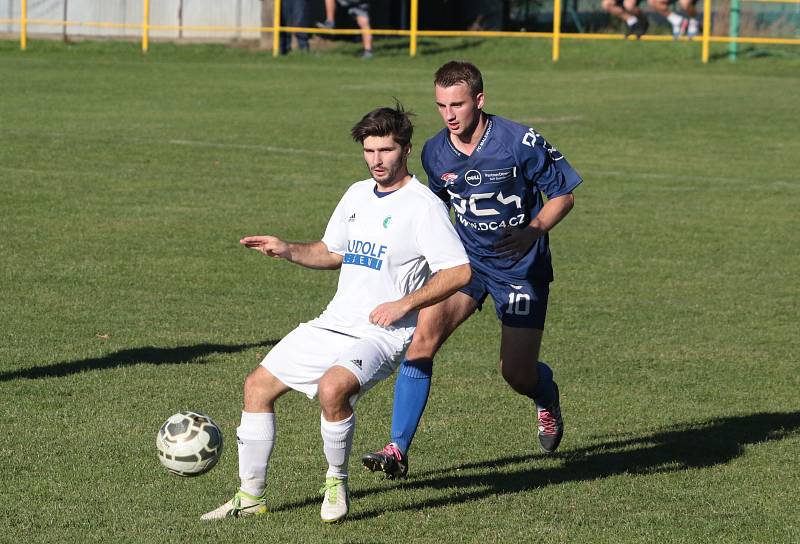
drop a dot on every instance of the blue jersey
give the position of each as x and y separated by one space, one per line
499 186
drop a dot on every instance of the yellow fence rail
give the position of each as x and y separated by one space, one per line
414 33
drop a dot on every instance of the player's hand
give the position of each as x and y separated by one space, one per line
517 242
268 245
388 313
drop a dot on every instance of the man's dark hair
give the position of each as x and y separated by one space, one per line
455 72
394 122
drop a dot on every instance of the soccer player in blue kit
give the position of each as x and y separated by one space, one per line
495 174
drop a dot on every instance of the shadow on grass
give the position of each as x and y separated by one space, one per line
129 357
681 447
753 52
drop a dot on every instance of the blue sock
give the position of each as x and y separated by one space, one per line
544 394
410 397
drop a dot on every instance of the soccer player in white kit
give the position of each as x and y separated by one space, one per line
388 234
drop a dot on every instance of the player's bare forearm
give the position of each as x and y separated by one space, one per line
443 284
311 255
314 255
553 211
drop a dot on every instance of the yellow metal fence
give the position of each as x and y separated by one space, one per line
413 33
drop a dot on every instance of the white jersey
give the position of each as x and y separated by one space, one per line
390 245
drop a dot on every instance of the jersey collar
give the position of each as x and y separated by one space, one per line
381 194
486 133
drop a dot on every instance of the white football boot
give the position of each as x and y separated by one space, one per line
336 501
242 504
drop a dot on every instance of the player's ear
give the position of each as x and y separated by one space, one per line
479 101
407 149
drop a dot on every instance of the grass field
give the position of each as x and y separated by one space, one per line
673 326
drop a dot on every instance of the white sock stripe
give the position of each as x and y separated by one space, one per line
337 431
342 424
246 433
257 417
257 426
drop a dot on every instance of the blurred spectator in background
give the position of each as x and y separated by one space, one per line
628 10
689 25
293 13
357 9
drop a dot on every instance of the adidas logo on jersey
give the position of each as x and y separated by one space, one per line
356 362
352 218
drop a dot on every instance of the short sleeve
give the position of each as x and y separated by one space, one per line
434 183
545 167
437 239
335 237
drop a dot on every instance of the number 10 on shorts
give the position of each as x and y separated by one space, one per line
518 304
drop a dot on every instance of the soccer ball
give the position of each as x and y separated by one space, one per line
189 444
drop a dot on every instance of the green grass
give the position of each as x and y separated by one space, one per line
127 181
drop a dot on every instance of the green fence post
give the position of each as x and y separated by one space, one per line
734 30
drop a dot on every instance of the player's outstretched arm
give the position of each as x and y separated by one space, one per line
311 255
516 242
443 284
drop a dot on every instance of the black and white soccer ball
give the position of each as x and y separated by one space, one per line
189 443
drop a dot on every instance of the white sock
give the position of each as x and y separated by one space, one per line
674 19
337 441
255 437
631 20
694 26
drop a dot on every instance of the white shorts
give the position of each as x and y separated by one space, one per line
306 353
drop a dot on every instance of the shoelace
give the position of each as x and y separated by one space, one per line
237 506
548 422
392 451
236 503
332 485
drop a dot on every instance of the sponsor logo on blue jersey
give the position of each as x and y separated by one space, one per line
514 221
449 178
500 175
532 137
368 254
486 134
473 177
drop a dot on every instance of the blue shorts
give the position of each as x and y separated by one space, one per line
522 304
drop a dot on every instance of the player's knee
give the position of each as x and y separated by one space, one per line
326 392
254 383
425 344
260 390
334 395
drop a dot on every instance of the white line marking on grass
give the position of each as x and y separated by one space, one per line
377 86
543 120
776 183
269 148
